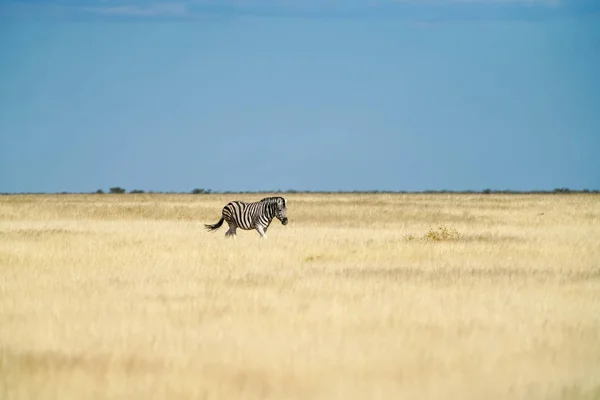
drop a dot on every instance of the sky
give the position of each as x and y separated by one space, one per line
252 95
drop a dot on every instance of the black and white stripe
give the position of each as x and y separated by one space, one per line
257 215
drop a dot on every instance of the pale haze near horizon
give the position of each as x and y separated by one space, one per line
441 96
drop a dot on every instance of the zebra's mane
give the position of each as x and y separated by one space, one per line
273 200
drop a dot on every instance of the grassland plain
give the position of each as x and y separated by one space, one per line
361 296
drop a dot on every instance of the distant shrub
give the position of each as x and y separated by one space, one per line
562 190
487 191
201 191
442 233
117 190
99 191
136 191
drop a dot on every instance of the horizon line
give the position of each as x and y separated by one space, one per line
195 192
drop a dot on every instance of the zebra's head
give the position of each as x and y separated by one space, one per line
281 211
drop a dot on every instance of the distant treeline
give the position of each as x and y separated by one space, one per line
120 190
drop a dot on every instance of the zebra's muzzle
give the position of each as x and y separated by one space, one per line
284 221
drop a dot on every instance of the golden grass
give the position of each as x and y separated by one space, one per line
127 296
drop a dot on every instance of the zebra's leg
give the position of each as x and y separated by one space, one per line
231 230
261 231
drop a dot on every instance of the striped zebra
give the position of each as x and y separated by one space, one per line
257 215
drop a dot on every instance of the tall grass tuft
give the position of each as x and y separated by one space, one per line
442 233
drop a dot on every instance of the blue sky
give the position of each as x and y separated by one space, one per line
305 95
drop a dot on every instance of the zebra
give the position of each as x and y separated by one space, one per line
247 216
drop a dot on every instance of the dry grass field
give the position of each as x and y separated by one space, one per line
360 296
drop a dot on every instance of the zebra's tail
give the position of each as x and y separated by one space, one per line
214 227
